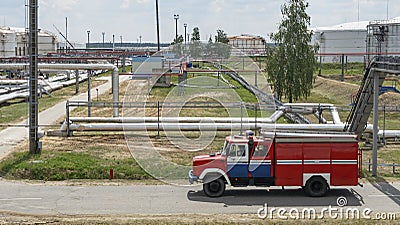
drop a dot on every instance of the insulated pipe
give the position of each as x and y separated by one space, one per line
50 66
335 116
199 127
169 120
389 133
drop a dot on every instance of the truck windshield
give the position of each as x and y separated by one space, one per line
226 148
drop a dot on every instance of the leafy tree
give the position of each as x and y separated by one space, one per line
196 49
221 48
180 40
196 34
178 47
292 62
221 37
209 47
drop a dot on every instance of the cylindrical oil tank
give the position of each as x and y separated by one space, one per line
47 43
344 39
7 43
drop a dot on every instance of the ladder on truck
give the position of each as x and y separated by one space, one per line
380 66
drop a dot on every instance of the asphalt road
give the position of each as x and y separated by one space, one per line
163 199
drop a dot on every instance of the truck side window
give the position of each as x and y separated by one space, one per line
261 151
237 150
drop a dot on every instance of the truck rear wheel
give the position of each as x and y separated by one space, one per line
214 188
316 187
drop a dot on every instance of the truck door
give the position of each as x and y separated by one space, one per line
260 166
238 164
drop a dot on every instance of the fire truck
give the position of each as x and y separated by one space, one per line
313 161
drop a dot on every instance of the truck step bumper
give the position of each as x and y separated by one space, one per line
192 178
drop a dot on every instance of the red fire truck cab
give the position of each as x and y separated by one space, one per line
312 161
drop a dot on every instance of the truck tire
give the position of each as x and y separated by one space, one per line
316 187
214 188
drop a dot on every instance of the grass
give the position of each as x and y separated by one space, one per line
352 69
66 166
180 219
386 155
72 158
160 93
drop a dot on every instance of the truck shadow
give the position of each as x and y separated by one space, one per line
278 198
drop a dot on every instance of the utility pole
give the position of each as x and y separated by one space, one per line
103 33
88 39
387 10
33 78
158 27
176 18
185 25
66 33
113 42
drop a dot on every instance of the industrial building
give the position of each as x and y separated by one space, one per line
14 42
248 44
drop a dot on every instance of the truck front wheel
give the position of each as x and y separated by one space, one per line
316 187
214 188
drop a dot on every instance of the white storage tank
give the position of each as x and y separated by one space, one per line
7 42
383 38
47 42
14 42
347 39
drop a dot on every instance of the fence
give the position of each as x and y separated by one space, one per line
393 165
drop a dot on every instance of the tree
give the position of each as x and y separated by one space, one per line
209 47
180 40
221 49
196 34
221 37
177 47
292 61
196 50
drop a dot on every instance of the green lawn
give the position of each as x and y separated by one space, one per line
52 166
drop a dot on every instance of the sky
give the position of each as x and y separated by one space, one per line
134 18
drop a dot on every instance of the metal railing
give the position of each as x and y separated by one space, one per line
393 165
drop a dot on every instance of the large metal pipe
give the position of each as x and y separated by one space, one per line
60 66
115 73
170 120
199 127
21 92
335 116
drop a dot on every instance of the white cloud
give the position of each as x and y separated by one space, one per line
217 5
127 3
59 4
